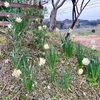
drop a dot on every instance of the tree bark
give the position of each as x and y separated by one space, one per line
53 19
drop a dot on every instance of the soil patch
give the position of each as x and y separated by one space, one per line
86 40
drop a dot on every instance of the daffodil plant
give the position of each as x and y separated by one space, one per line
93 70
39 35
79 54
16 28
52 57
65 80
67 47
23 68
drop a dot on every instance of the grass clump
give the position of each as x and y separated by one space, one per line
52 57
93 70
79 54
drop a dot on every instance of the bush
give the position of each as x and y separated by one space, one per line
93 30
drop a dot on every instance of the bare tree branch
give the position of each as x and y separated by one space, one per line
45 2
76 12
81 5
77 9
77 1
57 3
53 4
86 5
61 4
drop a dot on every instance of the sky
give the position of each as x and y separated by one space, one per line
91 12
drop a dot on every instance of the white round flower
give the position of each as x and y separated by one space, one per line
26 95
8 15
10 26
94 47
44 53
37 19
6 4
92 42
44 26
48 87
42 61
32 85
85 61
32 23
57 29
80 71
73 36
16 73
18 20
39 27
46 46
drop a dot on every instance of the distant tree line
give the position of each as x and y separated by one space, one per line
65 24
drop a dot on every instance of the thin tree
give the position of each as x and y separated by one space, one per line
56 5
76 11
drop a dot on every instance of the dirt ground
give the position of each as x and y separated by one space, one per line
12 89
86 40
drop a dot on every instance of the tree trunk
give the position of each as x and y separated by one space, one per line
73 23
53 19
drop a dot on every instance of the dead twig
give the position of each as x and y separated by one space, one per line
16 95
3 88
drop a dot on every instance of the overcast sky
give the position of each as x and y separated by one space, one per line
91 12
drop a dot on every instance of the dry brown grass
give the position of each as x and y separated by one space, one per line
12 89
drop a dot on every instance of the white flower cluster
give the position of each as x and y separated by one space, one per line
85 61
93 44
73 37
37 19
92 41
6 4
18 20
46 46
42 27
94 47
80 71
8 16
10 26
16 73
57 30
42 61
